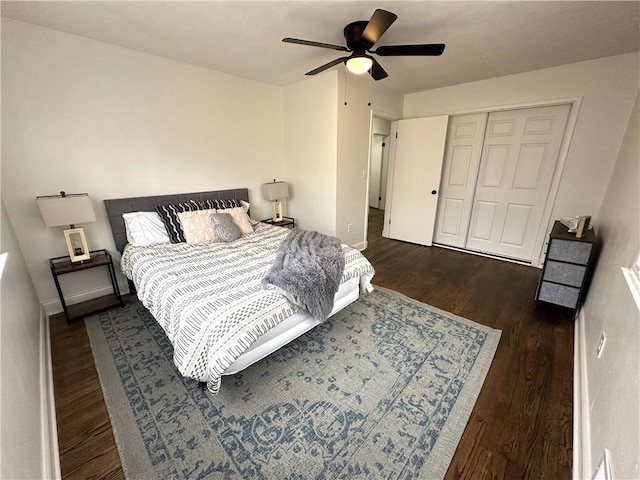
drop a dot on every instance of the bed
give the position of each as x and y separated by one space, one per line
207 296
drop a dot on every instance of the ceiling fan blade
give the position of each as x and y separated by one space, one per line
407 50
377 72
327 66
380 21
315 44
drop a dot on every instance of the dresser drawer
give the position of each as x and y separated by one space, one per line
568 251
565 273
559 294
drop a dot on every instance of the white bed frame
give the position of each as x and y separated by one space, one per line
275 338
291 328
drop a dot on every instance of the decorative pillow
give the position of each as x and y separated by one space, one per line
197 226
240 218
226 230
169 216
221 204
246 206
145 228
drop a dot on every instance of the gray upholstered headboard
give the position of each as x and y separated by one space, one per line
116 207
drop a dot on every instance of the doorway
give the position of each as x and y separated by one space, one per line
378 171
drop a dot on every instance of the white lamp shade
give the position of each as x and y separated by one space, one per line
275 191
74 209
359 65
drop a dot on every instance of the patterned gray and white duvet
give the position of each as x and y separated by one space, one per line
208 299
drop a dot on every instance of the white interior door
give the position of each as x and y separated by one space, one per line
414 177
459 175
518 161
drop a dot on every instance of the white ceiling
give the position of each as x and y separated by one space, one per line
483 39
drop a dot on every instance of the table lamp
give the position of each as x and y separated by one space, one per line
63 209
274 192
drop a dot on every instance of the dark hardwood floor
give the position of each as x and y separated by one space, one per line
520 428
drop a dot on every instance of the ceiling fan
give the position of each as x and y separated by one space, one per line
361 36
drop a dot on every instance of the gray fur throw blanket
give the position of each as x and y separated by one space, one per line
307 270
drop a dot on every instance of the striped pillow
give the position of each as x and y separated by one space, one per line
221 204
169 216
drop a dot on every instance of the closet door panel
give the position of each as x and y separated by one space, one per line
460 171
517 165
451 221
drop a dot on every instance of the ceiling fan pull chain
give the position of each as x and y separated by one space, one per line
345 86
369 85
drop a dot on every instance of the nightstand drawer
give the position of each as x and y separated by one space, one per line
559 294
565 273
567 251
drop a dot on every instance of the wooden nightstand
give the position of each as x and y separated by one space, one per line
288 222
99 258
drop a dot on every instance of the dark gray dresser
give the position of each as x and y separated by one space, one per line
566 267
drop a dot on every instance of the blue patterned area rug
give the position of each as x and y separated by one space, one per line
383 389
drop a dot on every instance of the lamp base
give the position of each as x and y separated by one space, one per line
76 244
276 211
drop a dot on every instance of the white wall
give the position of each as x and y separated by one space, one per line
310 144
25 444
327 150
607 87
355 125
613 379
84 116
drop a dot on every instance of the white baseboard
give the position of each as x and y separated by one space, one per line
50 453
487 255
54 307
360 245
581 428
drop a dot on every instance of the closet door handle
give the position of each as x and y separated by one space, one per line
433 192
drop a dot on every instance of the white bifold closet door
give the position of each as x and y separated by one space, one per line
459 174
498 209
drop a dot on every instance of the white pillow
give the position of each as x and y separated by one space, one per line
245 207
197 226
145 228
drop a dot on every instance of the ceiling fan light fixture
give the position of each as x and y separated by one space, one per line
359 64
360 38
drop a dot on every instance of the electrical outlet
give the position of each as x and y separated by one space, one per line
349 227
601 345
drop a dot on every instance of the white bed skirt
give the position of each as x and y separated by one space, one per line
292 328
